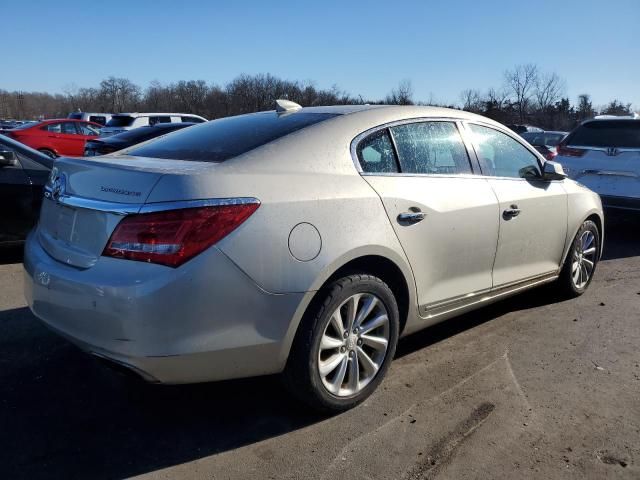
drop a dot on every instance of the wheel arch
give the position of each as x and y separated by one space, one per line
385 264
596 217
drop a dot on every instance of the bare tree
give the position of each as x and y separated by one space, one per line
402 95
472 100
521 81
549 89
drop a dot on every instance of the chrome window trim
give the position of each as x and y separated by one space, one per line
133 208
603 149
361 136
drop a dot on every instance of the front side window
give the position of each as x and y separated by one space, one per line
88 129
501 155
431 148
376 153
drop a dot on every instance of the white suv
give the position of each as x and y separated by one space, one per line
604 155
128 121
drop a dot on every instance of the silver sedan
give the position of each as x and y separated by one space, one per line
304 241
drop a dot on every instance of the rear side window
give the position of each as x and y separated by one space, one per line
376 154
98 119
159 119
431 148
607 133
120 121
69 128
219 140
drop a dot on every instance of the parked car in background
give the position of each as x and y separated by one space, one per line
544 142
103 146
23 173
301 240
99 118
604 154
128 121
524 128
56 137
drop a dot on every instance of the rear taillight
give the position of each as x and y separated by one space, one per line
550 155
569 151
174 236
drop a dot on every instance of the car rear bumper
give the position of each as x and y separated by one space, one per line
201 322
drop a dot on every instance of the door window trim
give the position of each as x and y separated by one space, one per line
471 154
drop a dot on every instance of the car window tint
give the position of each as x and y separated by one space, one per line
376 154
120 121
502 155
53 127
221 139
607 133
97 119
431 148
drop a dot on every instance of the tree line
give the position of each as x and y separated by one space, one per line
527 95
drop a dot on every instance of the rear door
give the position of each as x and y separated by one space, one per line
445 217
533 212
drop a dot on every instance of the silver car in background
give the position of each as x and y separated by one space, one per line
302 241
604 154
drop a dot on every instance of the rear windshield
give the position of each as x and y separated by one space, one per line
219 140
120 121
607 133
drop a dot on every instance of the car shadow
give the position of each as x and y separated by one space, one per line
622 235
64 415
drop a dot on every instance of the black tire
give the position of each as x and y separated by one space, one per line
301 375
48 153
565 283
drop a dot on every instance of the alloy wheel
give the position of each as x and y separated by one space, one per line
584 259
354 344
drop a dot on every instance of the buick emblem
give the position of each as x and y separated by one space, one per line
43 278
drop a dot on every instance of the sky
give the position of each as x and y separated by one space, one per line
365 48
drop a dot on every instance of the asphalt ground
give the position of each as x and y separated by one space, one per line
531 387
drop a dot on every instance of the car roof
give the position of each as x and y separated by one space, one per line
619 118
380 114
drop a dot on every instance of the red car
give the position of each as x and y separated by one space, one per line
56 137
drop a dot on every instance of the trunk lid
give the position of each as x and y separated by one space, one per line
85 200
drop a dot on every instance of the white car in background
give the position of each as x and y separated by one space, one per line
604 155
99 118
122 122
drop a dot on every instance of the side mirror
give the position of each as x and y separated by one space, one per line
8 158
553 171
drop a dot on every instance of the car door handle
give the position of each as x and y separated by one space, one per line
511 212
411 217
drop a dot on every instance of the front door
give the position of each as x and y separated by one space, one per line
533 212
445 217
